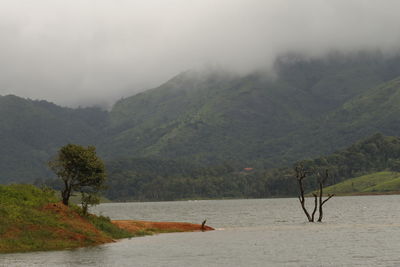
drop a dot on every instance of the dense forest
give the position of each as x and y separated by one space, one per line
32 131
215 134
146 179
156 179
216 117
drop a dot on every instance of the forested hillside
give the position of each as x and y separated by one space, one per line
258 119
154 179
149 179
375 110
204 120
32 131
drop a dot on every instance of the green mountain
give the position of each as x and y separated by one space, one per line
375 110
307 108
32 131
258 119
210 118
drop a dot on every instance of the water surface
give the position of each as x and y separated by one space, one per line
358 231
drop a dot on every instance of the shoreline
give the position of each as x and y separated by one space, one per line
49 226
150 227
353 194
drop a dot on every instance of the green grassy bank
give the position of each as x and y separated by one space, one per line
33 219
376 183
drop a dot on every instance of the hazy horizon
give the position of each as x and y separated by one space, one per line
94 52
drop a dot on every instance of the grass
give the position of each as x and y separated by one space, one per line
379 182
33 219
104 224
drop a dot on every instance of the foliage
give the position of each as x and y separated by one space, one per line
80 170
155 179
394 165
88 199
372 154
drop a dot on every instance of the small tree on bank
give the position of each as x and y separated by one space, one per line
80 170
321 178
88 199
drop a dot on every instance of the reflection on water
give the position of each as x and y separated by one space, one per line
358 231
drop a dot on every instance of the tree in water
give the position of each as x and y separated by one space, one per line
80 170
321 177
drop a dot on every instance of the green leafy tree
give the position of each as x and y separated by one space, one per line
394 165
80 169
89 199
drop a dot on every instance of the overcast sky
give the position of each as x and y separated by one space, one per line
83 52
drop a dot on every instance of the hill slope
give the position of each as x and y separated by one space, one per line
32 219
310 107
379 182
375 110
32 131
216 117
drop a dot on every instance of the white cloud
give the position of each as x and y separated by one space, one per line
87 51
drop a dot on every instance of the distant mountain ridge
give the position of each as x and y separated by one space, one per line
32 131
311 107
256 118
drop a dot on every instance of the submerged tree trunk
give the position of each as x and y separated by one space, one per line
321 181
315 207
301 173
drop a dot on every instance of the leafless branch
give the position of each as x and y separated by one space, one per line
301 174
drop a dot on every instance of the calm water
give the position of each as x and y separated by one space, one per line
358 231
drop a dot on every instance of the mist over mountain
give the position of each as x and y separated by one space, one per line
95 52
198 88
307 109
217 117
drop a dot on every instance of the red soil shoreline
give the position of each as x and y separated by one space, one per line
135 226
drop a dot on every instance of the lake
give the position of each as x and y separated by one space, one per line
357 231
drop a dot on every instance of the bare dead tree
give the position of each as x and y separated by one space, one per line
321 179
301 174
315 206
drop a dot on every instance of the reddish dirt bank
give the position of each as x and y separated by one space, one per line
77 228
136 226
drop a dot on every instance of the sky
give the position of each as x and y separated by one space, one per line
93 52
